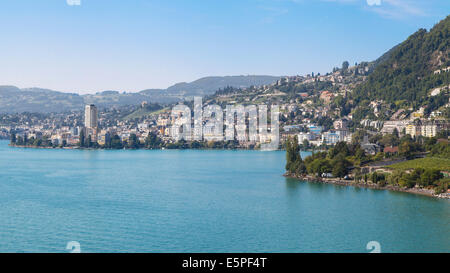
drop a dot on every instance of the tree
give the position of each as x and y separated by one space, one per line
81 142
300 168
440 150
442 185
340 165
305 144
406 149
319 166
13 138
395 133
429 176
19 140
89 141
406 181
389 140
339 170
116 142
133 142
357 174
340 148
345 65
37 142
291 152
152 141
294 162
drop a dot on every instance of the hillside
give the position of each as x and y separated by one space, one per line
206 86
407 72
15 100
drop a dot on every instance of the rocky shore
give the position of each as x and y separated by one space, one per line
337 181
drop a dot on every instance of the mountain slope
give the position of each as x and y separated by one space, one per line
407 71
206 86
15 100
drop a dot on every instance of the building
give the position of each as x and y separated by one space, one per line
315 129
340 124
369 148
326 96
330 138
390 125
344 135
288 128
377 124
413 130
90 116
418 114
301 137
429 130
391 150
104 137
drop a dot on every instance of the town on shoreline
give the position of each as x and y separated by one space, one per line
383 123
397 162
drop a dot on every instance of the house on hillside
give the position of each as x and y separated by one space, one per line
369 148
389 151
326 96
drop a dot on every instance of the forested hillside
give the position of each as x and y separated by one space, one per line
408 72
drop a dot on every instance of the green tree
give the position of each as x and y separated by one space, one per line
13 138
133 142
89 141
152 141
345 65
82 137
442 185
340 165
406 149
116 142
294 162
429 176
339 170
19 140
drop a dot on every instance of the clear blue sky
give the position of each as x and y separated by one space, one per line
130 45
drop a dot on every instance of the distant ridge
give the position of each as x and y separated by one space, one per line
15 100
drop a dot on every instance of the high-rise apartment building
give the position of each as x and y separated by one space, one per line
90 116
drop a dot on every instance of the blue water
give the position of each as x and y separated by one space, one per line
199 201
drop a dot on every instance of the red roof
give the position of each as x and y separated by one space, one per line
391 149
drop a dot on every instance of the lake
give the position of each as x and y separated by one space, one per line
199 201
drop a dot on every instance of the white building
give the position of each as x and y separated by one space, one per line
301 137
330 138
390 125
429 130
90 116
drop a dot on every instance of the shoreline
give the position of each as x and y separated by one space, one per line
350 183
110 149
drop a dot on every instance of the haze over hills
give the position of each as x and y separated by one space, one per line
15 100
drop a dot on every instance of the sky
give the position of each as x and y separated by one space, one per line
87 46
